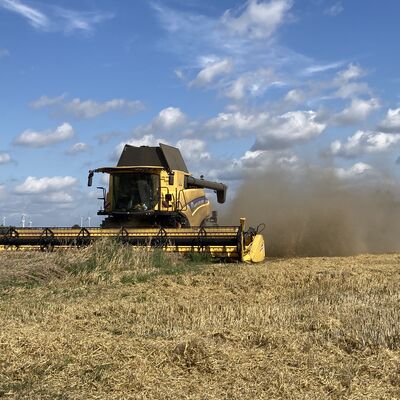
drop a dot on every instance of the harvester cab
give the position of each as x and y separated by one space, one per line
151 186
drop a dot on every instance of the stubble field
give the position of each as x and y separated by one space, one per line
104 324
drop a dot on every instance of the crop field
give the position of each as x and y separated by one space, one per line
112 323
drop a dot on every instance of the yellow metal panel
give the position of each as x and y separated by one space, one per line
255 251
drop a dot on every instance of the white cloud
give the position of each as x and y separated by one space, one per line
258 19
56 18
193 149
4 158
351 89
61 197
238 123
86 109
33 185
254 162
287 129
90 108
212 70
295 96
45 101
318 68
344 81
261 159
179 74
35 17
271 131
169 118
4 52
364 142
355 171
335 9
76 148
343 84
352 72
251 155
31 138
80 20
252 83
237 89
147 140
358 111
391 122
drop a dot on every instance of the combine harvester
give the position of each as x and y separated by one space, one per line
152 201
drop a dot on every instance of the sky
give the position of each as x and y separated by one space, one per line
239 86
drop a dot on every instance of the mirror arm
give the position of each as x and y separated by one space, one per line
90 178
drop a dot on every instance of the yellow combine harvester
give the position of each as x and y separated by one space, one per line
152 201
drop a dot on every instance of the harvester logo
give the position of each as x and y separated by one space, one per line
197 203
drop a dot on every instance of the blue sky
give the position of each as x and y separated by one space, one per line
239 86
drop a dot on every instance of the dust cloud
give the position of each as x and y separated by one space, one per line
315 214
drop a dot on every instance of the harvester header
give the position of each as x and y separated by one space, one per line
152 200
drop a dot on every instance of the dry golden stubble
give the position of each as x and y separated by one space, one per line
298 328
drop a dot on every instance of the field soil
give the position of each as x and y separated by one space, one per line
293 328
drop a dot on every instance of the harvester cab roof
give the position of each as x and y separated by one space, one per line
166 157
132 157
